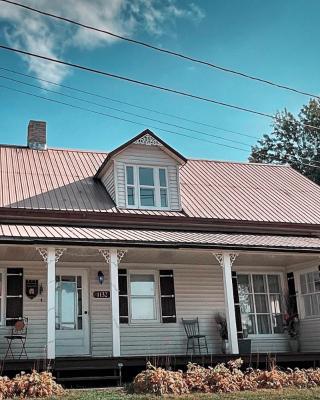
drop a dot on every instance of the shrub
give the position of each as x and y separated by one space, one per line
159 381
30 385
223 378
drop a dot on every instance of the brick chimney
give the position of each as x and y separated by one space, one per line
37 135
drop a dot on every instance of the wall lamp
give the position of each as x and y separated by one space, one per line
100 277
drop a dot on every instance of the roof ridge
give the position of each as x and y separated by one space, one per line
2 145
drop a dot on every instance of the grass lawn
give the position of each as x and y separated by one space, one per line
289 394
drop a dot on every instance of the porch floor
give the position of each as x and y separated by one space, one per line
108 368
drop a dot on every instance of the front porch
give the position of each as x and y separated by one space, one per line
96 338
117 370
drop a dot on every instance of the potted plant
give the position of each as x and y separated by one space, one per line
291 326
223 331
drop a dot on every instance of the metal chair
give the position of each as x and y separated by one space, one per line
18 333
191 327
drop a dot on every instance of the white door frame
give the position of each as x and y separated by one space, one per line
84 272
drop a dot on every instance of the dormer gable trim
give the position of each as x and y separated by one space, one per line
147 138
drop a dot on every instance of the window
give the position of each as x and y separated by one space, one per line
310 291
143 297
14 295
260 303
147 187
68 302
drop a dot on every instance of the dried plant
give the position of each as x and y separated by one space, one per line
223 378
159 381
30 385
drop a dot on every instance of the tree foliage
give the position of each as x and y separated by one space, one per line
293 141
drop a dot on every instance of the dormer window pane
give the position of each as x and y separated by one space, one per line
146 176
147 197
130 193
163 197
130 180
162 177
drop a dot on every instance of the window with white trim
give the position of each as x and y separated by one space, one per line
142 297
310 293
146 187
260 303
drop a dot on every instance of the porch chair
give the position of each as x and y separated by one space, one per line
191 327
18 333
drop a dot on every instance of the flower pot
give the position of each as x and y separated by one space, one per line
244 346
225 347
294 345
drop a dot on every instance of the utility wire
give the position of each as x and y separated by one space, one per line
133 122
153 86
129 104
163 50
119 118
125 112
137 82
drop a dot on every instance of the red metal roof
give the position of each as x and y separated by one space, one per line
63 180
106 236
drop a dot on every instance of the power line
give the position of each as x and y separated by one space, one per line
129 104
120 119
133 122
163 50
137 82
147 84
125 112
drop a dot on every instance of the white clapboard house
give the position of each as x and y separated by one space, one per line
105 253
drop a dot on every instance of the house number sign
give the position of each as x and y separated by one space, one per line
101 294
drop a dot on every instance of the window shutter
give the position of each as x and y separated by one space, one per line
292 292
237 304
167 294
14 304
123 296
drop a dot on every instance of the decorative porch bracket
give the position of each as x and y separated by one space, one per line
226 261
51 256
113 258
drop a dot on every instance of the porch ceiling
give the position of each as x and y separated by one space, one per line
64 235
155 256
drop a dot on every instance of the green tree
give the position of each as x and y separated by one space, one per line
293 141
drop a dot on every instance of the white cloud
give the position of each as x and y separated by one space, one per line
39 34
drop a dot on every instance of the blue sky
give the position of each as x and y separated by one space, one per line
275 39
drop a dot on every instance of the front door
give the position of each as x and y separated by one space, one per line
72 319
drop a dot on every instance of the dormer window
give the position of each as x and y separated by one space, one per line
146 187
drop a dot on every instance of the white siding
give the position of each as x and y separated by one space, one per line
100 315
108 181
147 155
309 334
199 293
35 311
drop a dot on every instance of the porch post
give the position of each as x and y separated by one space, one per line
51 304
51 256
113 258
226 260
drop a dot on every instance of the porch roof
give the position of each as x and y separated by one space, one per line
54 234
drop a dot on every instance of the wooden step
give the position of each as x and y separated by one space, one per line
88 378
